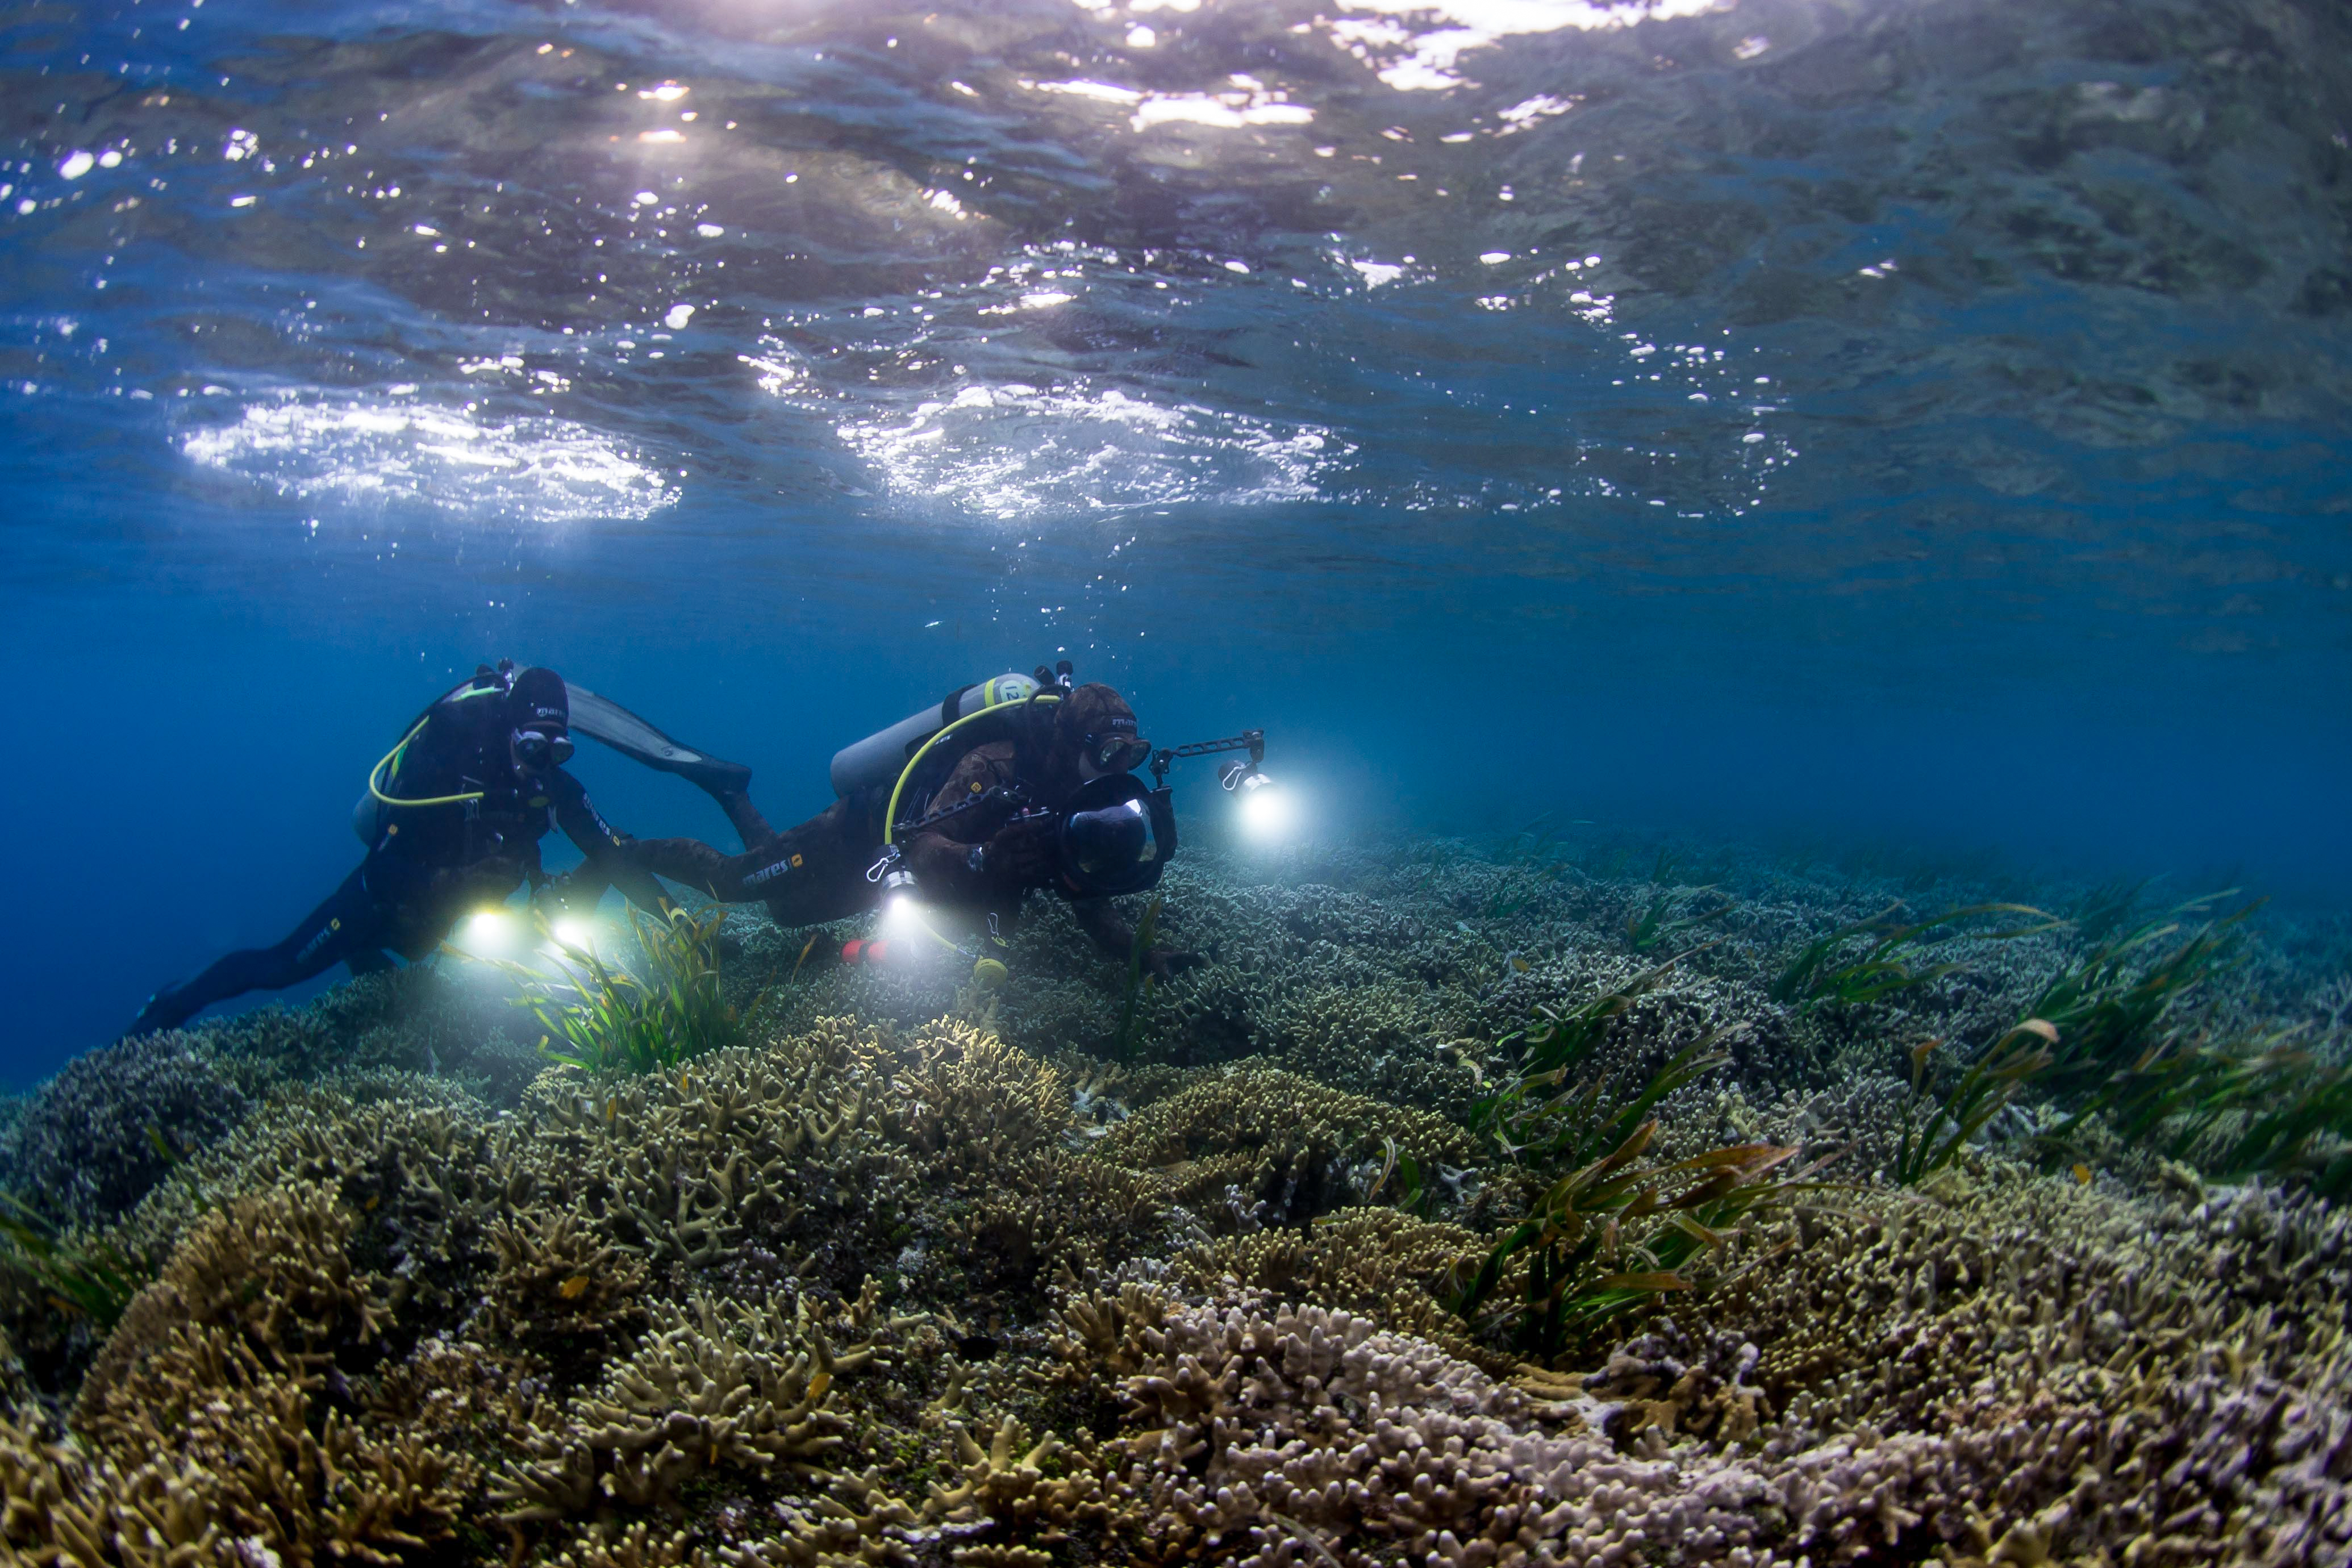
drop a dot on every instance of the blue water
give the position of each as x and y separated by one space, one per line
1920 421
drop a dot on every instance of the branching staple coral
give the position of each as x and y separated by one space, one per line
1278 1139
712 1386
559 1280
272 1268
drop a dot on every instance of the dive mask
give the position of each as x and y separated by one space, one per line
1116 753
535 750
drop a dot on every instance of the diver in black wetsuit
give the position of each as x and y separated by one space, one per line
452 817
978 860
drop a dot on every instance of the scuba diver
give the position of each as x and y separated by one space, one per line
452 818
1006 786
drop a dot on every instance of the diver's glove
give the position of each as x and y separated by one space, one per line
557 893
1021 851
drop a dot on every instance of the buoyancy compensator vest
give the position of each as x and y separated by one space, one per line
376 809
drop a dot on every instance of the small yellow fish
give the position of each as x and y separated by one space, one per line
2082 1174
1520 965
373 1200
572 1290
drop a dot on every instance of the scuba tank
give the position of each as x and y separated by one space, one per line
881 757
368 818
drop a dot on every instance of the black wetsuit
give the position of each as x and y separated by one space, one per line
805 874
429 864
818 871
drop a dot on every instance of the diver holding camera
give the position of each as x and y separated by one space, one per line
1013 784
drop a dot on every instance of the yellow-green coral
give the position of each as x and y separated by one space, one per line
713 1386
1261 1136
913 1295
559 1279
270 1269
969 1104
683 1165
206 1418
1378 1261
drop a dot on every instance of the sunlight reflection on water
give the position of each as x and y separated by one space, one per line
1014 451
1782 294
386 446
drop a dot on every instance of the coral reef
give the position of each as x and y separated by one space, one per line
1272 1147
709 1387
913 1275
1283 1437
1379 1263
415 1019
91 1142
560 1280
209 1419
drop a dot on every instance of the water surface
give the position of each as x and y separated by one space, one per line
1892 417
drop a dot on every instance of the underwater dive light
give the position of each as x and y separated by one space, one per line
1265 810
573 933
1265 806
489 930
902 915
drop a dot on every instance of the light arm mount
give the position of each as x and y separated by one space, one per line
1250 741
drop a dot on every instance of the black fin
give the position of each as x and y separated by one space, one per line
608 721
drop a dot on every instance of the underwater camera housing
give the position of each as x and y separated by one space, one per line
1115 836
1112 835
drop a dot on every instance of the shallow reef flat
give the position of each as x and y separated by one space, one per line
1538 1201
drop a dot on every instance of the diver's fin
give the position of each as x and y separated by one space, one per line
162 1012
631 736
